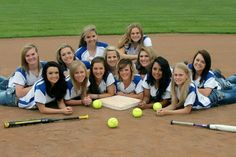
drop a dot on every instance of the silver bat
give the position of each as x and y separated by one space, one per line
219 127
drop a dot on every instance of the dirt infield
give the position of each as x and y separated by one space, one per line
147 136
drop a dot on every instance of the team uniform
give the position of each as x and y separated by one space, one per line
207 82
21 77
134 87
37 94
154 90
83 54
195 98
130 50
105 83
70 92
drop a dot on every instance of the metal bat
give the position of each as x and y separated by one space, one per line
220 127
9 124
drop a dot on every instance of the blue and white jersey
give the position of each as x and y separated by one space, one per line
195 98
83 54
154 90
105 83
130 50
134 87
70 92
208 82
37 94
21 77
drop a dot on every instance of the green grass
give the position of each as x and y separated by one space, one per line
25 18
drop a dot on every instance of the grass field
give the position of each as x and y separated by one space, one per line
24 18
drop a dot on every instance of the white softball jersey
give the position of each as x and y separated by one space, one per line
37 94
135 86
70 92
83 54
104 84
153 89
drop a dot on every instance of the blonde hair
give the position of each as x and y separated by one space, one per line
185 87
85 31
126 39
25 49
74 65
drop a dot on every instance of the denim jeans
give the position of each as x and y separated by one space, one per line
232 79
3 83
222 97
225 83
8 97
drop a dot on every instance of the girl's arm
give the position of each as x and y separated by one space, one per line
62 109
74 102
205 91
110 92
144 104
21 90
171 110
84 101
124 55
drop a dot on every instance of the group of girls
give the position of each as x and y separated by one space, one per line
97 70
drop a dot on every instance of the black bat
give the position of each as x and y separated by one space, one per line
10 124
220 127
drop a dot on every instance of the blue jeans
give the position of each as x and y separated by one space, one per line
222 97
7 94
3 83
232 79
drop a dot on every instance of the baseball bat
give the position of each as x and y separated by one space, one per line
9 124
219 127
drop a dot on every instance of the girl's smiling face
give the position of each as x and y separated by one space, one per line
125 73
79 74
53 75
31 57
199 63
112 58
179 76
156 71
98 70
135 34
67 56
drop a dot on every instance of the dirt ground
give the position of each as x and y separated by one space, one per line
146 136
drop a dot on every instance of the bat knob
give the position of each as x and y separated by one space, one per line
6 124
171 122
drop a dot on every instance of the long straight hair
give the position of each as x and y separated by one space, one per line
58 90
93 88
207 58
185 87
75 64
165 79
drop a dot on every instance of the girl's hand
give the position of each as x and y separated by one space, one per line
87 101
120 93
67 110
161 112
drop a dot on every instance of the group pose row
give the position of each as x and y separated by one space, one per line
97 70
